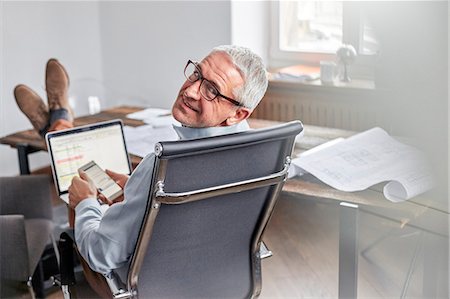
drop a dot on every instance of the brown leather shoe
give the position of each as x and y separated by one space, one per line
57 86
32 106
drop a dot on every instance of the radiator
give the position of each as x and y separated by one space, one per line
344 110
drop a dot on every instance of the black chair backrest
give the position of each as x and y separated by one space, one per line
206 244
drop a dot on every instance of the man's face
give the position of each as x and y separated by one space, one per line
193 110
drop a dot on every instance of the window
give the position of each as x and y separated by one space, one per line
310 26
309 31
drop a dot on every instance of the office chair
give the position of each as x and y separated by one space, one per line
210 200
25 228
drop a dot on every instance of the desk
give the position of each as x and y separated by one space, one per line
29 141
418 215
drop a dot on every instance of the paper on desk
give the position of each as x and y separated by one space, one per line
162 121
369 158
148 113
141 140
296 170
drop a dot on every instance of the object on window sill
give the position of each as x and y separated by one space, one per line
293 77
296 73
346 55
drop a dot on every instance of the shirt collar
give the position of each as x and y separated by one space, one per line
193 133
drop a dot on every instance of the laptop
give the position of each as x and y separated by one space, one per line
70 149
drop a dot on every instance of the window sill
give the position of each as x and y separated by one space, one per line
316 84
308 77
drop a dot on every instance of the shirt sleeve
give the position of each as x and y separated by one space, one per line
106 239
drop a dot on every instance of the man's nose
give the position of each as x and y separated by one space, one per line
193 90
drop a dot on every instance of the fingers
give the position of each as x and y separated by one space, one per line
118 199
80 189
111 173
74 190
103 199
83 175
75 182
119 178
114 175
108 201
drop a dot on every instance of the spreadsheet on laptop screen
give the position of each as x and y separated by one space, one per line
104 145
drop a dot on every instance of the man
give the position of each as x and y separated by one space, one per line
217 97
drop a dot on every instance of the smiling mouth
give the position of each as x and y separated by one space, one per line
189 106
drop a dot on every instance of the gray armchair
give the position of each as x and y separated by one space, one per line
209 202
25 228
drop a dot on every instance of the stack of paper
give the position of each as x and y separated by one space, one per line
156 117
148 113
141 140
366 159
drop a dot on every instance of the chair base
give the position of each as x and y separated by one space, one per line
42 277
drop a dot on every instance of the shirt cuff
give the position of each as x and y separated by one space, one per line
88 202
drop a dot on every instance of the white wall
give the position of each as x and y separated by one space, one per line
147 44
448 131
250 26
31 33
123 52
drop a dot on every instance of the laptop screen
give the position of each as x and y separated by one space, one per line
103 143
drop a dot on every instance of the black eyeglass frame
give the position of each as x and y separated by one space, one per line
200 77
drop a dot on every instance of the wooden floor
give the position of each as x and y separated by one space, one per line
303 235
303 238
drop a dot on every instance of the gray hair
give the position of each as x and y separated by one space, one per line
252 68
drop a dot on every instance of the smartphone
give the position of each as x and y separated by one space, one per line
102 181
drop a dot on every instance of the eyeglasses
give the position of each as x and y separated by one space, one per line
207 89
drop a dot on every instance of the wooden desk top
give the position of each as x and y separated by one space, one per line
306 185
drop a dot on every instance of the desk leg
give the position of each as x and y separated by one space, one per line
23 151
434 259
348 250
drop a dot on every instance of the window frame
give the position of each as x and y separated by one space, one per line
352 34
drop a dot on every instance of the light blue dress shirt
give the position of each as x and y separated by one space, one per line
106 238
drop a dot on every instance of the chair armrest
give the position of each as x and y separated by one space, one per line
14 263
26 195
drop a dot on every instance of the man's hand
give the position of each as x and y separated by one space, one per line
81 188
121 180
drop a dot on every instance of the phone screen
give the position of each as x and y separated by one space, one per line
105 185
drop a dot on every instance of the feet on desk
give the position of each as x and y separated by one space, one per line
31 104
58 114
57 87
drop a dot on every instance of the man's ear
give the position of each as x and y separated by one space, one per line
240 114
